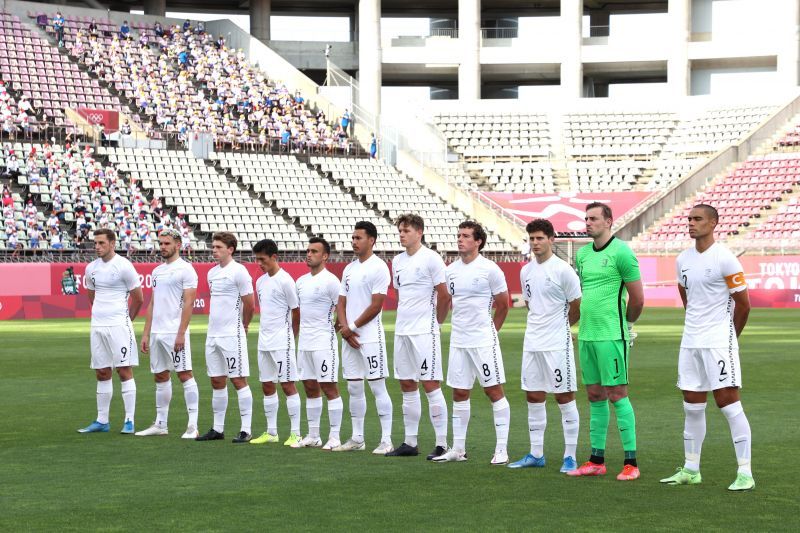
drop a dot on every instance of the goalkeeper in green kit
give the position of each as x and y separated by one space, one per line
609 271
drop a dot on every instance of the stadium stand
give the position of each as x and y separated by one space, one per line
393 193
47 78
81 194
205 196
616 134
476 135
602 175
302 195
742 195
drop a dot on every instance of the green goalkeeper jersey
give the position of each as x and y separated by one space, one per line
603 275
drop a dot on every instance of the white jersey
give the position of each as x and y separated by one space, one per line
169 282
548 288
359 282
111 282
227 286
473 287
317 296
277 297
709 280
415 278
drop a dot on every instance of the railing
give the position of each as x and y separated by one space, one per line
444 32
499 33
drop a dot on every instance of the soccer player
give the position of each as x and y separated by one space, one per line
552 292
714 293
475 283
166 333
115 295
363 289
423 303
317 349
280 320
231 310
608 271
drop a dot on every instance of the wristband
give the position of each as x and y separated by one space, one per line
352 326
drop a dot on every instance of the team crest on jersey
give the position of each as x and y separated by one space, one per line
316 290
475 281
604 262
708 272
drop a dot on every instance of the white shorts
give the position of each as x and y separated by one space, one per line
227 356
707 369
467 364
277 366
418 357
552 371
113 346
368 362
320 365
163 357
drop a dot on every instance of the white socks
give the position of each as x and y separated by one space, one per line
192 397
694 431
105 390
335 408
271 412
412 412
502 419
461 414
570 423
163 397
219 405
313 414
437 406
293 408
537 423
358 408
129 398
245 396
383 404
740 431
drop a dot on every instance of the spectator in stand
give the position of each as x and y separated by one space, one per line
200 29
13 241
220 43
346 120
373 147
55 239
33 235
187 25
94 31
125 31
58 28
125 129
8 200
158 29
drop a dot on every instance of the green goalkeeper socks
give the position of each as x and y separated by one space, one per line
598 426
626 422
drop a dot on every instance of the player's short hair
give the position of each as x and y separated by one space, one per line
265 246
368 227
543 225
604 207
108 233
227 238
171 232
411 219
478 233
325 244
710 210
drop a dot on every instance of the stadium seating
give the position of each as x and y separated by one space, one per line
601 175
207 198
516 176
46 77
477 135
746 192
616 134
303 195
394 193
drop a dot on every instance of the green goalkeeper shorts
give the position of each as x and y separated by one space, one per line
604 362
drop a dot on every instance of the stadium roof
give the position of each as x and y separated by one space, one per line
390 7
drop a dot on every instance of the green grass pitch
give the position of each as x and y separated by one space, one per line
55 479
